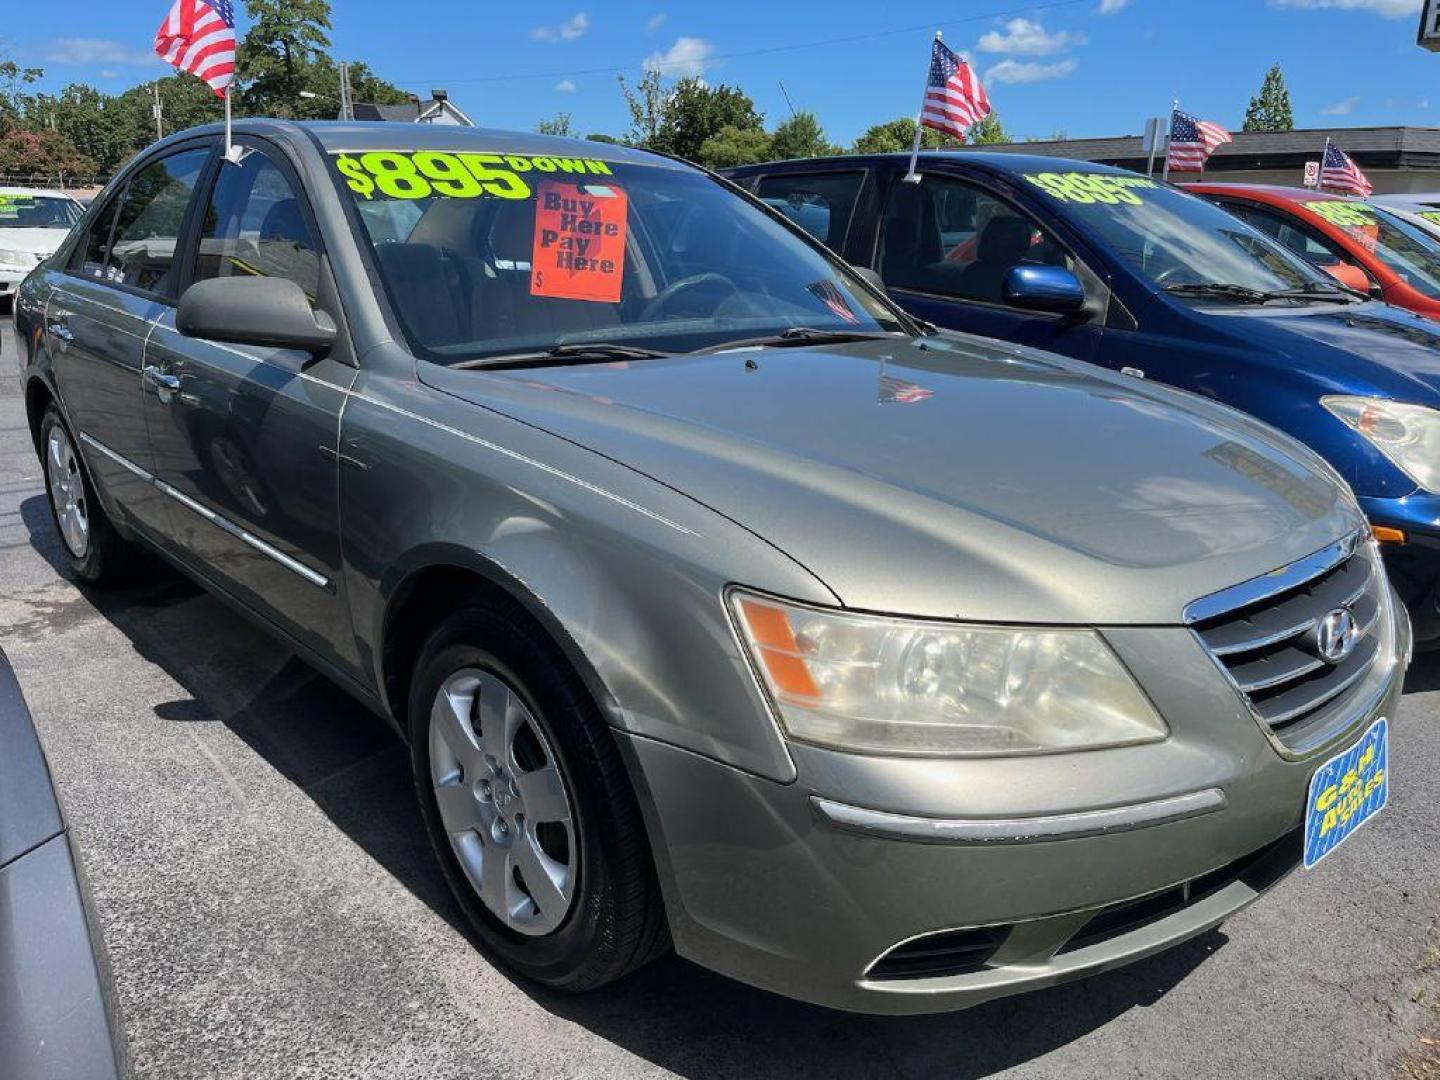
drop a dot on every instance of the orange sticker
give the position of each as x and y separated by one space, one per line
579 251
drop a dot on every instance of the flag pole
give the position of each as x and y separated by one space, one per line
232 152
1320 180
1169 138
911 176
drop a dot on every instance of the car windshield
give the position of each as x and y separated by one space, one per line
22 211
1177 240
1408 250
502 258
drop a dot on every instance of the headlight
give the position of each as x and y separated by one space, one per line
868 683
1409 435
21 259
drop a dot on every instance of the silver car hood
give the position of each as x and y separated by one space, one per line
958 479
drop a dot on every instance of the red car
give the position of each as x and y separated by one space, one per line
1360 244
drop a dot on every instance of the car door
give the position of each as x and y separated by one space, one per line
121 276
944 247
244 437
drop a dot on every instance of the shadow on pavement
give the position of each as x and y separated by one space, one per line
674 1014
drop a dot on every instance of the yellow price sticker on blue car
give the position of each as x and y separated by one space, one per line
424 174
1102 188
1347 791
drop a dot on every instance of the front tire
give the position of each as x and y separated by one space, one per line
527 804
95 552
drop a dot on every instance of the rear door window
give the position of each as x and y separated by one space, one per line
820 203
148 227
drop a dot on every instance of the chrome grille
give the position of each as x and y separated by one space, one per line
1265 634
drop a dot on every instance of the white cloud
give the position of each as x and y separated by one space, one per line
1423 103
688 56
569 30
1341 108
1110 7
88 51
1028 39
1390 9
654 23
1029 71
565 86
107 74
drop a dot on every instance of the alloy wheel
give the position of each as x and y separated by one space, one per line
504 803
67 492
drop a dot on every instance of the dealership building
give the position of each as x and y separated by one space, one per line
1396 159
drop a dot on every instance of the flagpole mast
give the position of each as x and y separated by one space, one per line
911 176
1320 180
1169 138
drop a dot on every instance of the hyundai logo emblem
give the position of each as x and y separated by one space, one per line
1336 636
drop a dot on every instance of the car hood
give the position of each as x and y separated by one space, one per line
1405 344
38 241
957 478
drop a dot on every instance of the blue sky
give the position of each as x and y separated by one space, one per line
1085 67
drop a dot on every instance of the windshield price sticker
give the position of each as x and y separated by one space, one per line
421 174
1078 187
1432 216
10 205
579 248
1346 215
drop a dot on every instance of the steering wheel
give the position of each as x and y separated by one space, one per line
667 296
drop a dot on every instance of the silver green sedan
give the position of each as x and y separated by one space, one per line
720 603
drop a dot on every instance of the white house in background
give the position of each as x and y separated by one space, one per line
438 110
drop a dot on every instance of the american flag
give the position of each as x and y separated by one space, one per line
954 98
1338 172
198 36
895 391
1192 142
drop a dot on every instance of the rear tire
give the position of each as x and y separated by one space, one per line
95 551
528 805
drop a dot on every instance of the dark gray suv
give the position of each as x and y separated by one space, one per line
720 602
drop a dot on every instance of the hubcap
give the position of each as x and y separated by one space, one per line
503 801
67 492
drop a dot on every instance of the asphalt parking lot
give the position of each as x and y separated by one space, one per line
271 909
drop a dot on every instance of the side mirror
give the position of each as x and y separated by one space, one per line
869 276
1352 277
254 311
1043 288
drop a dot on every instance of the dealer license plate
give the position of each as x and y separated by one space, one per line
1347 791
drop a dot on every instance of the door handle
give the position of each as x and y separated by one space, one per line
161 380
60 330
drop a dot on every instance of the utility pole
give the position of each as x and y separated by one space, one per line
158 110
345 92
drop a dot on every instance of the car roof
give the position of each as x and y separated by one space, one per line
335 136
1000 162
1277 191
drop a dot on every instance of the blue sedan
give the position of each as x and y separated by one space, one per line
1136 275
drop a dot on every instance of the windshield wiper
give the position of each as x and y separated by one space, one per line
577 352
1241 293
1314 290
1244 294
801 335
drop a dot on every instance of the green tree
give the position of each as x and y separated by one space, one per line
601 137
988 131
801 137
694 112
286 40
646 101
897 135
733 145
1270 109
559 124
15 99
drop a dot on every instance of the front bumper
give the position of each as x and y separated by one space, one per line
772 884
